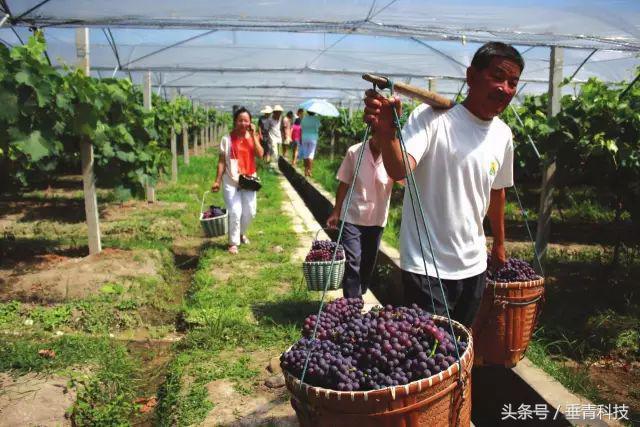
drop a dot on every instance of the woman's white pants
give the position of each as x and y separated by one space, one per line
241 208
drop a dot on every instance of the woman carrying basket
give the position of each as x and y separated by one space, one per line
238 152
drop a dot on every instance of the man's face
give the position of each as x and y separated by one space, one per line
494 87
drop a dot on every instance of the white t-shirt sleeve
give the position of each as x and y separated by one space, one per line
224 144
416 131
345 172
504 176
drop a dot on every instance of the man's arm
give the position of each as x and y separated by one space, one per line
332 221
379 114
496 220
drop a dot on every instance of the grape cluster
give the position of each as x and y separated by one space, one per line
214 211
515 270
385 347
333 314
322 250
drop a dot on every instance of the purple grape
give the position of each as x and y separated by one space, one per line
514 270
213 212
364 351
322 250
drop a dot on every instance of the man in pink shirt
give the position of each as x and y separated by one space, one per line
366 217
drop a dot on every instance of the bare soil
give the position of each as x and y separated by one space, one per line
58 279
620 384
20 396
265 406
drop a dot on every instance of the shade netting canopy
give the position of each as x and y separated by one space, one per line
286 51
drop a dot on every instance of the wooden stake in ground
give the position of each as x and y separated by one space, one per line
549 168
150 190
185 143
174 157
86 155
196 151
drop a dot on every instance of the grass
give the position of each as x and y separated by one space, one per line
237 306
86 333
106 386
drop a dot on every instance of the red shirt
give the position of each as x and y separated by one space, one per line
296 133
243 150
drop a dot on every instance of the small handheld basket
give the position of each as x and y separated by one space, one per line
216 226
316 273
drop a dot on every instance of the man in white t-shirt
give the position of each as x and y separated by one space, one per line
462 159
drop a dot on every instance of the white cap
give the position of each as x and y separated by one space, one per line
278 107
266 110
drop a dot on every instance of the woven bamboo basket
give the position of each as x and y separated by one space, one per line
216 226
443 399
506 320
316 273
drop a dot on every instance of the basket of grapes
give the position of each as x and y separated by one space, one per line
213 220
317 266
510 307
391 366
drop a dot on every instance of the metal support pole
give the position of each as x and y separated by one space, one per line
433 83
86 156
4 19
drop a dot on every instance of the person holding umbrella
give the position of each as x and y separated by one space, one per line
310 125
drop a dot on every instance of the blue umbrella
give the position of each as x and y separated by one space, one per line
321 107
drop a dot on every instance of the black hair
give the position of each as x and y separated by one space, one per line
289 113
482 57
297 121
238 112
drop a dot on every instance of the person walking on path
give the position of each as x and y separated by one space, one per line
296 137
310 125
462 160
287 123
264 127
366 217
238 153
275 135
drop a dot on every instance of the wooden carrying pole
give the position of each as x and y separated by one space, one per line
426 96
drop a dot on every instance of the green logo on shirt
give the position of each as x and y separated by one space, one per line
493 168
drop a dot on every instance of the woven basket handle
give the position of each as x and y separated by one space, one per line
202 204
318 232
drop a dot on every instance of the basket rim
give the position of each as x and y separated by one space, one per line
215 217
394 391
517 285
338 261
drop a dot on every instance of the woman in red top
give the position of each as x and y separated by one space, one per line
238 153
